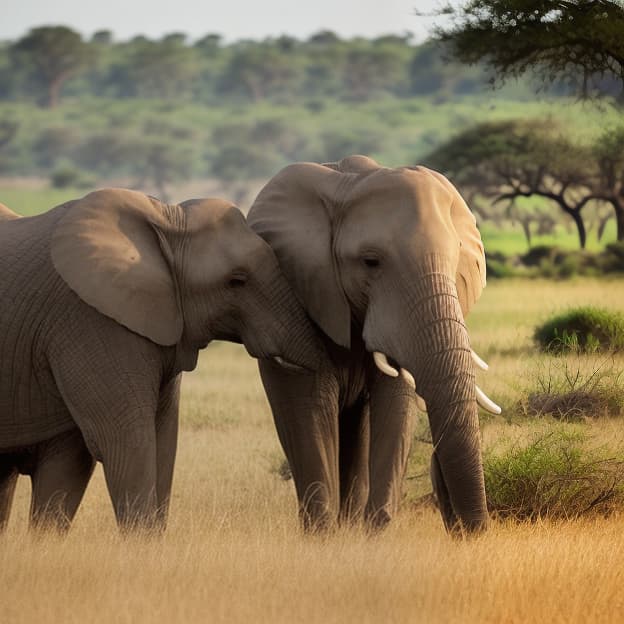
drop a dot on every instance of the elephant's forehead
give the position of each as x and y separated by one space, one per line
397 198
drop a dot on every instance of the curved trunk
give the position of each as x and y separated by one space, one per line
425 333
445 378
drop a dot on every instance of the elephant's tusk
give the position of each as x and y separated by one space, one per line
478 361
487 403
287 365
382 364
420 403
409 378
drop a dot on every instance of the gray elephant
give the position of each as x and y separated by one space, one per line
103 302
387 263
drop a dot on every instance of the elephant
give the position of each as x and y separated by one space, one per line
105 300
387 263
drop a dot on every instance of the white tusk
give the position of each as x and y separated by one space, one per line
487 403
420 403
382 364
478 361
409 378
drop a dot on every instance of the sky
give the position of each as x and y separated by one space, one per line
233 19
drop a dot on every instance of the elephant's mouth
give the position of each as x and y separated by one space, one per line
390 367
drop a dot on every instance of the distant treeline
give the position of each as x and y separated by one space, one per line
51 62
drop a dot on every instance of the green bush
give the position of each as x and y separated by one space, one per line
558 474
613 257
66 175
585 329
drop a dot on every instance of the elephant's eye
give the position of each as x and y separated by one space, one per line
237 280
371 261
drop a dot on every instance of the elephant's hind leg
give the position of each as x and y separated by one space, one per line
59 480
8 480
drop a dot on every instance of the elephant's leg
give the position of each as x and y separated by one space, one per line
354 458
114 404
392 420
305 410
60 477
129 461
451 521
166 443
8 480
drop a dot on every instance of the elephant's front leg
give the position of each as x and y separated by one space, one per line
392 420
305 410
166 445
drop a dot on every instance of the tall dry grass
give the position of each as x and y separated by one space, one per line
233 551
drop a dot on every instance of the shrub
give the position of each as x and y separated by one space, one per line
586 329
536 255
66 175
565 392
613 257
557 474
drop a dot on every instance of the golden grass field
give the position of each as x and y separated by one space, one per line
233 551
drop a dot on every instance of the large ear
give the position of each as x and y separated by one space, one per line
294 213
6 214
110 249
470 277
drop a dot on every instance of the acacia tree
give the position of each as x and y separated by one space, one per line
608 151
52 55
578 40
512 159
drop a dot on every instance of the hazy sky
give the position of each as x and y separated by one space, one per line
234 19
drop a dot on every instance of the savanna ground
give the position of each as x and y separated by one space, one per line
233 551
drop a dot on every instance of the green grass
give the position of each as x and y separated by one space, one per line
29 202
511 241
557 473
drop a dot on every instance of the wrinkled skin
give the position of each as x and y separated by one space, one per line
385 260
104 301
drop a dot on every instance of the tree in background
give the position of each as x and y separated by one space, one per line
608 151
508 160
579 41
51 55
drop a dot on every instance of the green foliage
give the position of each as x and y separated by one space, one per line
49 56
67 176
579 41
558 474
582 329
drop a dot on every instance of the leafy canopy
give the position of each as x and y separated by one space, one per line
579 41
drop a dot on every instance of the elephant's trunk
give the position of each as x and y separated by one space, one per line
289 334
433 346
444 373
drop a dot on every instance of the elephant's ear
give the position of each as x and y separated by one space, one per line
110 249
6 214
470 277
294 213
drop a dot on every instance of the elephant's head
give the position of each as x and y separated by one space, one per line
395 253
181 275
